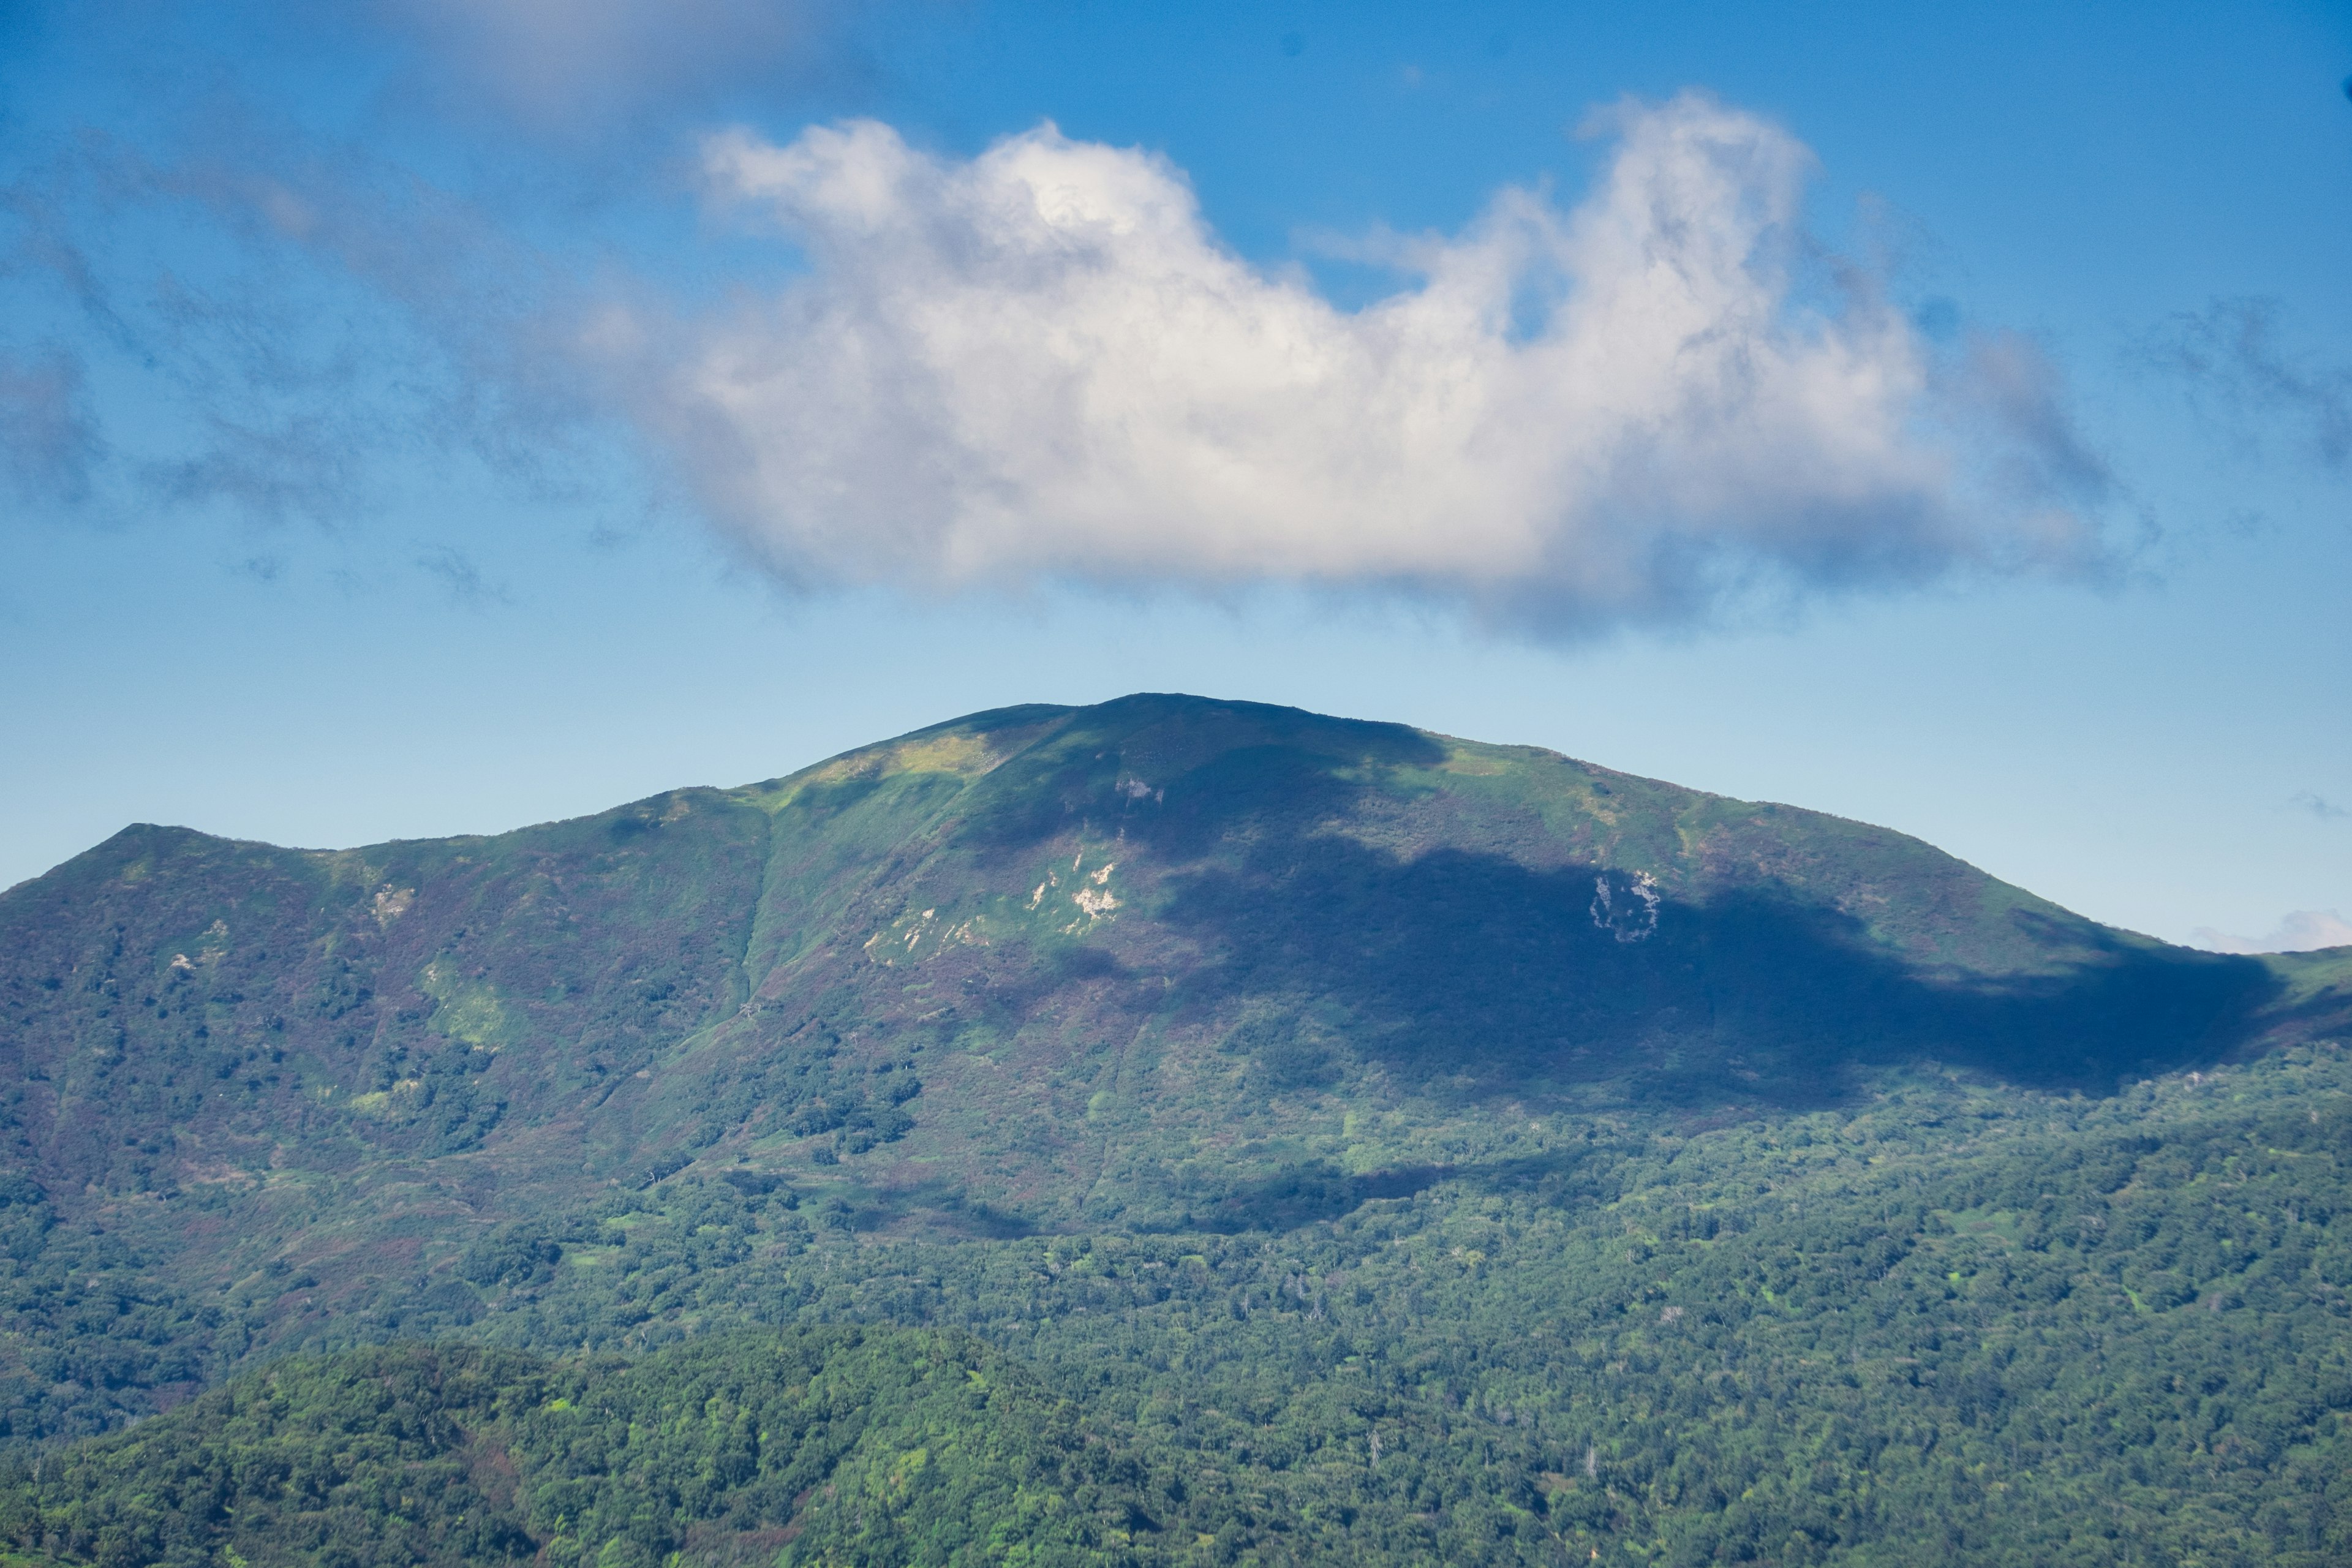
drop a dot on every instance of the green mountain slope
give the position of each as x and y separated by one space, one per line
1103 941
1269 1082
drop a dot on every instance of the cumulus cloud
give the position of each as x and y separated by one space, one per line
1041 364
2302 932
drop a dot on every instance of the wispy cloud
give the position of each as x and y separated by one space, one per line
49 442
302 316
2304 930
2320 806
460 578
2234 360
583 68
299 468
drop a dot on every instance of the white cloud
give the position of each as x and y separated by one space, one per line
1041 364
2301 932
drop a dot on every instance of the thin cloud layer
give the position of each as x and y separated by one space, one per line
2239 370
1041 364
2304 930
48 443
302 319
570 66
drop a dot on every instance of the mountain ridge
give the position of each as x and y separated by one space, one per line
1032 716
779 878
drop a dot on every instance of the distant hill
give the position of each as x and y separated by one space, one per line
1201 986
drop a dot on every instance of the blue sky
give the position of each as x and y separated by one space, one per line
438 418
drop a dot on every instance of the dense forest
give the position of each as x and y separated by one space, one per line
1556 1170
2008 1332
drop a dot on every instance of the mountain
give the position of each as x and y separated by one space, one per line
1210 1016
1101 945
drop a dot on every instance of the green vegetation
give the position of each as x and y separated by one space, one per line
1955 1321
1167 1132
830 1446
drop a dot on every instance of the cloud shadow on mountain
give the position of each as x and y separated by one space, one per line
1474 970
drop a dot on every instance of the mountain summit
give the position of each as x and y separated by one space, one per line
1044 963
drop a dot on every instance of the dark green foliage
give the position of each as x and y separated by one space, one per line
96 1332
840 1444
1952 1324
368 1459
843 1445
